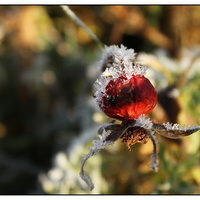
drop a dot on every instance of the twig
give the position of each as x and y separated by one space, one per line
77 20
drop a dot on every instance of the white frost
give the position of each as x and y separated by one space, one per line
117 61
170 126
144 122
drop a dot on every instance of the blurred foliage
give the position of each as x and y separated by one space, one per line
47 114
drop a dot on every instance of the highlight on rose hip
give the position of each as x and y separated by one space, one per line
123 93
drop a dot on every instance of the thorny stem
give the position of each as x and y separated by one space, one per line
77 20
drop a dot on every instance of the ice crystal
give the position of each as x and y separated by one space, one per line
170 126
143 122
115 55
116 61
100 87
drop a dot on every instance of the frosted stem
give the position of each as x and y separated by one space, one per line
98 144
82 172
154 156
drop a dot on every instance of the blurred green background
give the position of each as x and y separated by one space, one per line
47 114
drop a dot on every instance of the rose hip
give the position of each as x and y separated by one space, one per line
126 99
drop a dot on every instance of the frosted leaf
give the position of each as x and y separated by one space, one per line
174 131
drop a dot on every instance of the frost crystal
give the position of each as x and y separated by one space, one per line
100 143
169 126
114 54
139 69
100 87
116 62
111 72
144 122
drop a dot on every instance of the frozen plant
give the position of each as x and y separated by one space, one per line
124 93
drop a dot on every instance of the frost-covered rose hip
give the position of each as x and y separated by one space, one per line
128 99
122 91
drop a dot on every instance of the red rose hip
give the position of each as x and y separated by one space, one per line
125 99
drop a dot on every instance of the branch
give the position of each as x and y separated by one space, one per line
78 21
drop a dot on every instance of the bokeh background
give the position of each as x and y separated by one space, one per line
48 118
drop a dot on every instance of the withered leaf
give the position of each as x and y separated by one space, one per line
174 131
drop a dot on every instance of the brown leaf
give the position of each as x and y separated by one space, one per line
174 131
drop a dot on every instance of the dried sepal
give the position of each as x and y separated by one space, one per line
118 132
108 127
174 131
